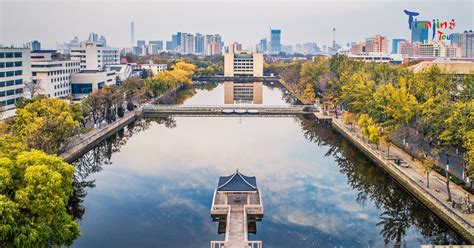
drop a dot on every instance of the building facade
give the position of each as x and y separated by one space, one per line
275 41
94 56
396 45
15 70
53 73
419 34
86 82
243 63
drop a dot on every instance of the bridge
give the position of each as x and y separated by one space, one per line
229 110
236 79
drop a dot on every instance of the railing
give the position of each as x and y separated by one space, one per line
218 244
254 244
229 106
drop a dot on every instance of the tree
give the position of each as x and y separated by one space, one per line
35 188
429 164
349 119
144 74
312 71
309 92
46 124
33 87
374 134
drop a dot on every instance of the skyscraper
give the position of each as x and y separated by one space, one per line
395 45
34 45
465 41
275 41
93 37
263 45
132 34
199 43
418 34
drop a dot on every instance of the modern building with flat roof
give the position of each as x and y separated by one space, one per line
95 56
15 70
243 63
53 72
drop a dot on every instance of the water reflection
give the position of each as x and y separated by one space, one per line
154 182
247 93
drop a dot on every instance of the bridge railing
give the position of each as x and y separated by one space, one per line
229 106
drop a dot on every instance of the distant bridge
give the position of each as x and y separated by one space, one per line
230 110
236 79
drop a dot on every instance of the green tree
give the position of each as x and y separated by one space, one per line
46 124
35 188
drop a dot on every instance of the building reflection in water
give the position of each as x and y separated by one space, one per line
246 93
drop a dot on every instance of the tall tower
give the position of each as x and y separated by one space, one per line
132 35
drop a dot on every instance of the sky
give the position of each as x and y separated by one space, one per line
244 21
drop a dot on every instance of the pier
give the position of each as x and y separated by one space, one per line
237 205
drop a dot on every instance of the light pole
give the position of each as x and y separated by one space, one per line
447 176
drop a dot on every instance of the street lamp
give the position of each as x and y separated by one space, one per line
447 176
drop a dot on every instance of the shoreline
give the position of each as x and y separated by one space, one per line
410 179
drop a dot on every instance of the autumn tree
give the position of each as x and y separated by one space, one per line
46 124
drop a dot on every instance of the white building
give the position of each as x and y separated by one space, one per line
123 71
155 68
243 63
15 70
53 73
378 57
87 81
432 49
94 56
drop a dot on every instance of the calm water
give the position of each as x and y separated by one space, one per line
151 185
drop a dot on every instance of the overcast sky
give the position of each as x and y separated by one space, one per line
245 21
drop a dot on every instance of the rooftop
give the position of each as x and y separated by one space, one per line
237 182
458 67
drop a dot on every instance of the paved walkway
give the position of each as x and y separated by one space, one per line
236 226
414 172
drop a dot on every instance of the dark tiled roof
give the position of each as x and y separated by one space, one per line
237 182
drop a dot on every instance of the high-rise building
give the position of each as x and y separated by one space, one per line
188 44
418 34
132 34
213 48
396 45
408 49
102 40
199 43
377 44
465 42
141 43
15 70
157 43
287 49
34 45
174 42
93 37
453 51
263 46
275 41
234 47
169 45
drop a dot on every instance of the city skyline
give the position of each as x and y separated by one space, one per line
157 20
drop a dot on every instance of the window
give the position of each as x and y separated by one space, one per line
18 73
10 73
18 63
8 55
2 55
9 64
3 103
10 92
2 93
19 81
2 65
19 91
11 102
2 84
10 83
2 74
18 55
